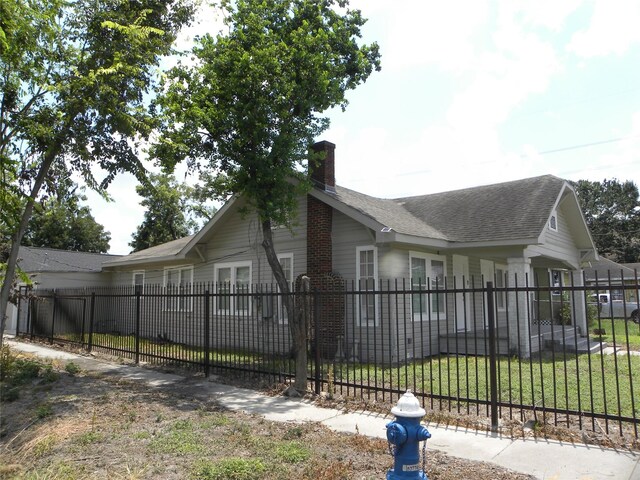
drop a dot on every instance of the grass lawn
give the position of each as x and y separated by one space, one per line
590 383
625 332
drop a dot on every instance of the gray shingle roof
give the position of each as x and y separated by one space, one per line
166 249
503 211
37 259
605 267
387 212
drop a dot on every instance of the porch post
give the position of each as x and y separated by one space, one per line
518 306
578 299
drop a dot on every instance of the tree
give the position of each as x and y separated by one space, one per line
171 213
251 106
612 212
62 222
73 79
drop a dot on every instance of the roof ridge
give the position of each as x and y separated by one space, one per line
486 186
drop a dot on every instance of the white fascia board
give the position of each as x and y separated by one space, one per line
144 261
394 237
513 242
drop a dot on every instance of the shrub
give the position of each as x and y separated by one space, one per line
72 368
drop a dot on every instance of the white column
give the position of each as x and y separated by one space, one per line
579 314
518 307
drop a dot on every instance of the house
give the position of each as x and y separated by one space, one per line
50 268
517 233
620 281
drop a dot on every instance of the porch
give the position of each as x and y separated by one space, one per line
544 337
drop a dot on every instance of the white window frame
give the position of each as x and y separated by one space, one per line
135 274
233 307
180 269
501 272
376 306
495 273
281 313
428 302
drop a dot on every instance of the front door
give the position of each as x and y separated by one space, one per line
461 275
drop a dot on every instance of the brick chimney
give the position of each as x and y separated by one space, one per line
329 320
323 172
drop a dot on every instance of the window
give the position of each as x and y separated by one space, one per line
138 281
286 261
233 284
366 274
178 283
553 222
495 273
501 272
427 273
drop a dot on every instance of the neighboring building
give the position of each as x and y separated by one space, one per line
528 232
50 268
616 284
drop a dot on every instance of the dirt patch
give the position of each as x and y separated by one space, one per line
100 427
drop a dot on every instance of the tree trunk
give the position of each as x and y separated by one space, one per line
298 318
17 236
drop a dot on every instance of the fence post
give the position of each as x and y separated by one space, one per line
207 333
53 317
30 317
493 358
91 320
18 306
84 318
316 343
138 293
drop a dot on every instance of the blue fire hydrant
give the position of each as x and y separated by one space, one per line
405 433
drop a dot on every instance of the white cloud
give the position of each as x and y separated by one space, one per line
551 14
613 29
432 33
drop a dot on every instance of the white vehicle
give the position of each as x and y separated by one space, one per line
607 307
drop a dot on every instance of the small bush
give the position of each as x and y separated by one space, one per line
24 371
292 452
592 316
565 314
88 438
49 375
72 368
44 410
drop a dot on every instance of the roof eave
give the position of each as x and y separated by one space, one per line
144 261
402 238
511 242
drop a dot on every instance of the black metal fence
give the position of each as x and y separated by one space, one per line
562 354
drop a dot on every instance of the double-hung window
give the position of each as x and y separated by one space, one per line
178 283
427 275
138 281
233 287
367 273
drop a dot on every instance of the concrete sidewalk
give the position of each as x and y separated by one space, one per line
545 459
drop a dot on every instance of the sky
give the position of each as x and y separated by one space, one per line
473 92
